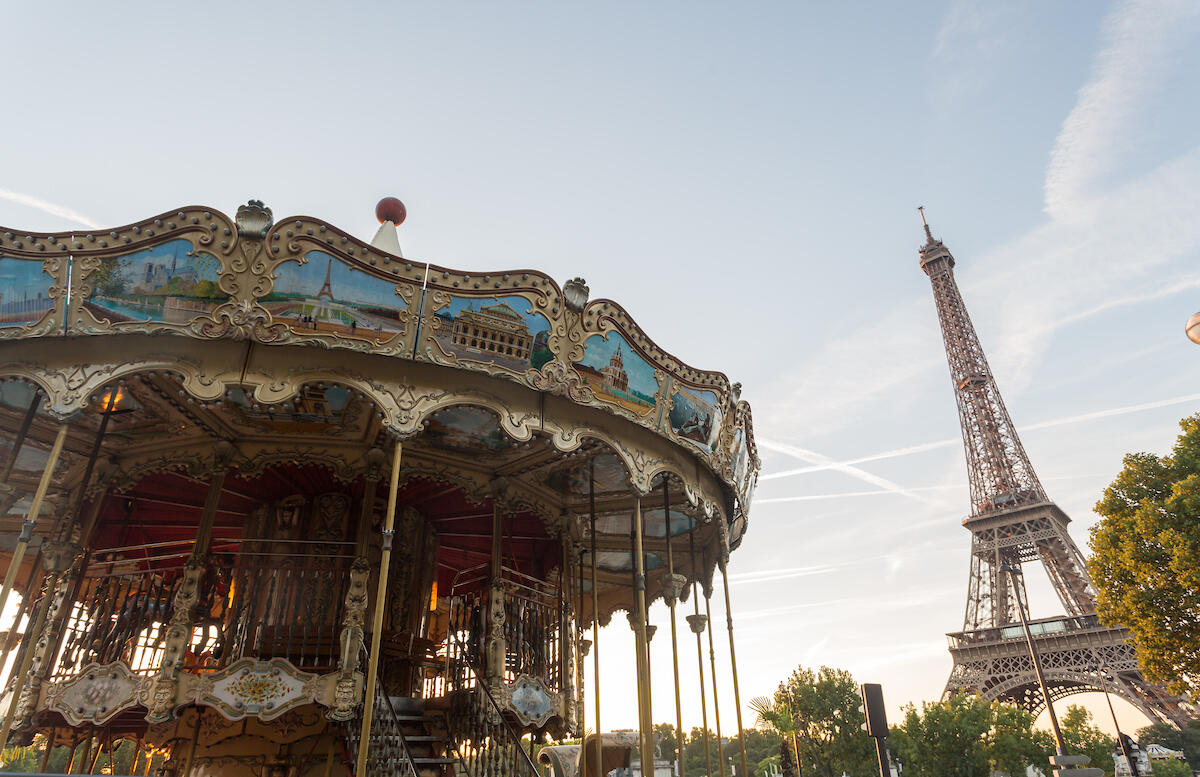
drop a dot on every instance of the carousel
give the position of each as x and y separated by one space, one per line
279 502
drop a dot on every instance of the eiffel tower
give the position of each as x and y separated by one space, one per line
1012 520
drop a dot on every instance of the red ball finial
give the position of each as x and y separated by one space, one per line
390 209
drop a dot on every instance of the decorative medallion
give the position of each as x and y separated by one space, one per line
97 694
531 701
262 689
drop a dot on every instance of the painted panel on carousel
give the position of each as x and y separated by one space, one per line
24 292
619 561
170 283
318 410
618 374
605 469
654 523
503 331
740 456
696 416
466 428
324 295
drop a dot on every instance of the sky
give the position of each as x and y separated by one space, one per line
743 178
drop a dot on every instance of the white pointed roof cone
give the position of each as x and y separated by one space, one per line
385 239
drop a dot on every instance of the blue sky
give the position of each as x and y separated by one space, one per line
743 179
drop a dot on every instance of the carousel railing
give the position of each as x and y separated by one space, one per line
388 754
484 740
286 601
532 623
121 604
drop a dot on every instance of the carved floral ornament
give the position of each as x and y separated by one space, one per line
195 273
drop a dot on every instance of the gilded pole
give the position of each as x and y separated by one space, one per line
737 696
643 644
22 433
674 588
595 618
389 523
697 623
35 509
712 663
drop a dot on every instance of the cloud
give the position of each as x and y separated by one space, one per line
929 446
49 207
1140 38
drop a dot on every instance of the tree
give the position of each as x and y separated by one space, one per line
1186 739
779 719
824 707
1146 558
1172 767
787 759
1082 738
965 736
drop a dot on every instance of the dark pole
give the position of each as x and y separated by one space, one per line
1121 740
1013 571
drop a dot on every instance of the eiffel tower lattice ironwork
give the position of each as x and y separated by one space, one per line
1012 520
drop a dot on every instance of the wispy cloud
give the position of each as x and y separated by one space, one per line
786 573
930 446
60 211
1140 38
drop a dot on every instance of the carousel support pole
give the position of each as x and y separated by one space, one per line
49 749
580 654
14 633
191 756
643 644
22 675
697 623
712 663
110 404
31 520
673 591
737 696
22 433
595 619
351 636
496 646
385 561
187 594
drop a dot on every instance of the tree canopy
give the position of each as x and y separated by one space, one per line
965 736
1146 558
1186 739
824 711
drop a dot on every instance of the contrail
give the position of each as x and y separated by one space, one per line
49 207
827 463
929 446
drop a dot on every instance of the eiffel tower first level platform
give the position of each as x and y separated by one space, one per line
995 664
1015 525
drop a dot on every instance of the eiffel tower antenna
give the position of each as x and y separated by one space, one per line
1013 522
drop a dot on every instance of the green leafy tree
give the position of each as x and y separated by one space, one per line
1186 739
1146 558
694 761
824 707
965 736
1172 767
1082 738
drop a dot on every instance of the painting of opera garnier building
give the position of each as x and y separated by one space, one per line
500 330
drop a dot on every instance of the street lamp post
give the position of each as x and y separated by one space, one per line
1122 740
1013 570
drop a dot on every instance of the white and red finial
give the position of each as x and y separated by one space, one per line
391 213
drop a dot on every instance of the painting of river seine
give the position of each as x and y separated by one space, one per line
172 282
696 416
24 291
495 330
616 373
326 295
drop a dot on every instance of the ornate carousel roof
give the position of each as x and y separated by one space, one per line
307 348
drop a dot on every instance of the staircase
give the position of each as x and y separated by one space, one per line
405 740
